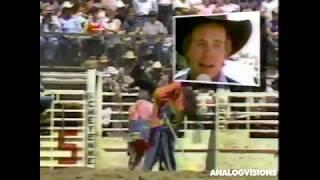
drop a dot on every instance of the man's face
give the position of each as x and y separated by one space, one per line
206 52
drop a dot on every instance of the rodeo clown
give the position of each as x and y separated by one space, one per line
181 101
140 114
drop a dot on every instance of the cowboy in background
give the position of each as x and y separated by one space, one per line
128 62
155 71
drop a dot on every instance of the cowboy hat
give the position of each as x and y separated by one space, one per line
238 31
156 65
129 55
104 59
67 4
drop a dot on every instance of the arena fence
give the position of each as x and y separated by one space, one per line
238 130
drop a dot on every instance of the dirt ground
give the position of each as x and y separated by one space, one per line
115 174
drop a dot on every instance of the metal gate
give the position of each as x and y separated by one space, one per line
240 130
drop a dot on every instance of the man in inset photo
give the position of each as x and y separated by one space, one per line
207 44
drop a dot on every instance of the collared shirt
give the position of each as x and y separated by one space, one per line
141 110
156 28
143 7
71 25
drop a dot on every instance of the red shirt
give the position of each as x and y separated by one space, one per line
171 94
95 27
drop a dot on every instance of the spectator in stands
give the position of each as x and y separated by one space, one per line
155 71
267 6
206 8
249 5
85 6
154 26
70 46
229 7
272 29
129 59
143 8
165 79
184 7
80 15
49 22
131 24
113 42
112 4
95 26
69 23
114 24
165 13
165 52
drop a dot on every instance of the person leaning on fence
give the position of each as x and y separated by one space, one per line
181 100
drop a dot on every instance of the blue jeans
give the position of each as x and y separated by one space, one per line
49 47
45 103
162 150
141 126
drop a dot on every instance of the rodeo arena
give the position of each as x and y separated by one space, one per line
105 68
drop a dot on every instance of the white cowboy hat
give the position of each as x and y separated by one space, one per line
156 64
67 4
111 70
129 55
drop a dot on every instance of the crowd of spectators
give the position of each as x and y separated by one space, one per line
129 32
